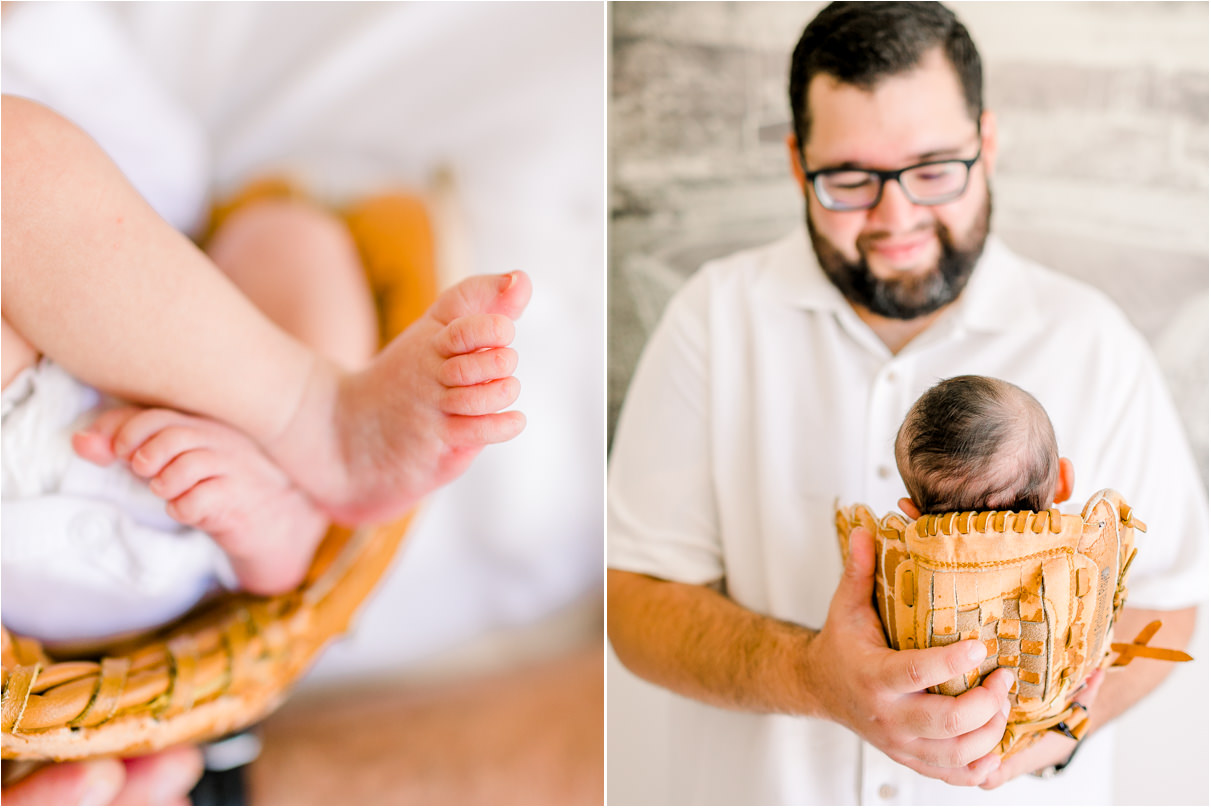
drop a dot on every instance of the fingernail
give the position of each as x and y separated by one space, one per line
976 653
102 781
510 278
1005 709
174 783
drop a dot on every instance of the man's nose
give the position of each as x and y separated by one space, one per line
895 212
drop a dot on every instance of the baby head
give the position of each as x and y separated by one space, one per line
974 443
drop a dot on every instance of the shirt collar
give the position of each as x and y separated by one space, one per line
798 279
998 296
995 299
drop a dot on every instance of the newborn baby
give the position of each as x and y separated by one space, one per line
973 443
268 420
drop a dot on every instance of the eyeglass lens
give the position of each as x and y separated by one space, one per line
928 184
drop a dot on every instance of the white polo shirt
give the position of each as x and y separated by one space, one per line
761 398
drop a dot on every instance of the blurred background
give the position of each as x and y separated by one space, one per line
1102 111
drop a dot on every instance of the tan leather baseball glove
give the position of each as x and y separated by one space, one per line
1041 590
216 671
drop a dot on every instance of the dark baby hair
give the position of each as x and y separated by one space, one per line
974 443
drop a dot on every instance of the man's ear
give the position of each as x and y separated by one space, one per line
1067 479
988 141
909 507
792 146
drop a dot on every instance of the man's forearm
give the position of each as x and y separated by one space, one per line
1127 685
696 642
531 735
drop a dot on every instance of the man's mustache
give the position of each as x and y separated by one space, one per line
868 240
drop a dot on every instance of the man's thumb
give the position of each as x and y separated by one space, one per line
858 579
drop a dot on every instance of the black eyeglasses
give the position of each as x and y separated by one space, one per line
931 183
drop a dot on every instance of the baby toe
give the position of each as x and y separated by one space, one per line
95 442
480 430
183 472
480 399
515 296
93 447
505 294
206 506
477 368
138 429
150 458
475 332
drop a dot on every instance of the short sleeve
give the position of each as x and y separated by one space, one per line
661 516
1149 459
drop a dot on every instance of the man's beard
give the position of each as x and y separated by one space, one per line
909 297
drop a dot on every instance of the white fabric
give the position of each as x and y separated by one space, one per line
76 59
354 98
761 398
88 552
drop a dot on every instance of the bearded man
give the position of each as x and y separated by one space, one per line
774 385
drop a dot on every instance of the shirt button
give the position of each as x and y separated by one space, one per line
891 377
887 792
884 472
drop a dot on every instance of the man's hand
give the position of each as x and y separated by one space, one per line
161 779
877 692
1049 750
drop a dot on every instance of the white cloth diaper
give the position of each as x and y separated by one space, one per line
85 552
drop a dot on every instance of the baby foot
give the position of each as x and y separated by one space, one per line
217 480
369 445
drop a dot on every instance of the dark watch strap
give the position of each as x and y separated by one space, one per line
225 787
225 779
1051 771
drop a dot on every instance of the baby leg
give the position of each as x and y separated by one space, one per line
15 353
412 421
300 267
95 280
298 264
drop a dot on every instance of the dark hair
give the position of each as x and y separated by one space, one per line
972 443
862 43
